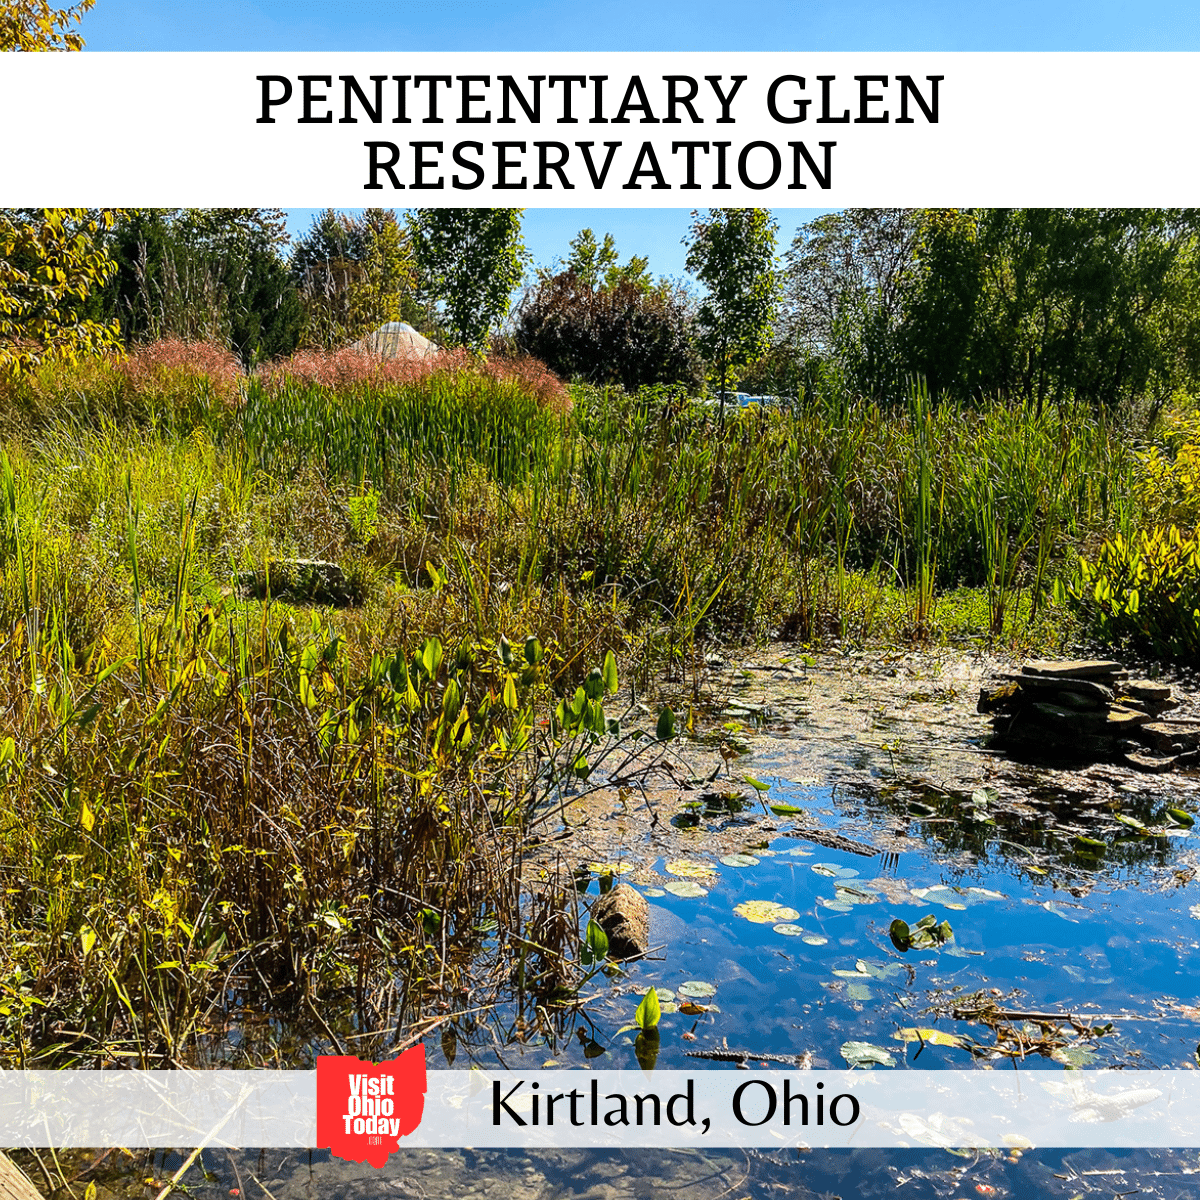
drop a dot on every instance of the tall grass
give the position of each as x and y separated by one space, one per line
208 798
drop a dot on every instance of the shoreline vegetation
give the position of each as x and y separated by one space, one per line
220 805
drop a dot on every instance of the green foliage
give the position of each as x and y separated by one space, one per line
732 252
354 273
847 286
649 1012
1044 304
1144 591
51 261
204 275
470 261
1029 305
598 265
34 25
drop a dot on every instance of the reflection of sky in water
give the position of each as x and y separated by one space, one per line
1048 930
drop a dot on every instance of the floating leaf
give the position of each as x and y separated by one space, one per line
866 1056
859 991
691 1009
765 912
653 893
789 930
688 868
740 860
935 1037
1074 1058
757 784
926 934
615 868
1182 817
815 939
697 989
786 810
665 995
829 870
686 889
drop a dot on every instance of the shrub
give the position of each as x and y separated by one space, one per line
624 334
1144 590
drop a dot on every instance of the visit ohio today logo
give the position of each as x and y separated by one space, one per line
365 1108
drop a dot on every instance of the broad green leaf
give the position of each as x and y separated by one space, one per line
664 731
595 945
649 1011
609 674
740 860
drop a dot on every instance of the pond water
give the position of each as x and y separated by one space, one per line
1065 933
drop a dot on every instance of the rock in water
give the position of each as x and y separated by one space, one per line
1077 668
624 916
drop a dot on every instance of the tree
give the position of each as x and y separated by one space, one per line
732 252
34 25
354 274
1044 304
597 265
625 333
848 280
210 275
471 261
52 260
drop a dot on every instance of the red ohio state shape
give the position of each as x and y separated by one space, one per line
364 1108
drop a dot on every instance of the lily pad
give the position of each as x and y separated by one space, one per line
1074 1057
829 870
665 995
815 939
786 810
697 989
765 912
613 868
859 991
789 930
686 889
840 906
866 1056
847 893
689 868
653 893
740 860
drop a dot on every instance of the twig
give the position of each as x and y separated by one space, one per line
212 1133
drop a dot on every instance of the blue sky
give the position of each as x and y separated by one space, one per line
549 25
